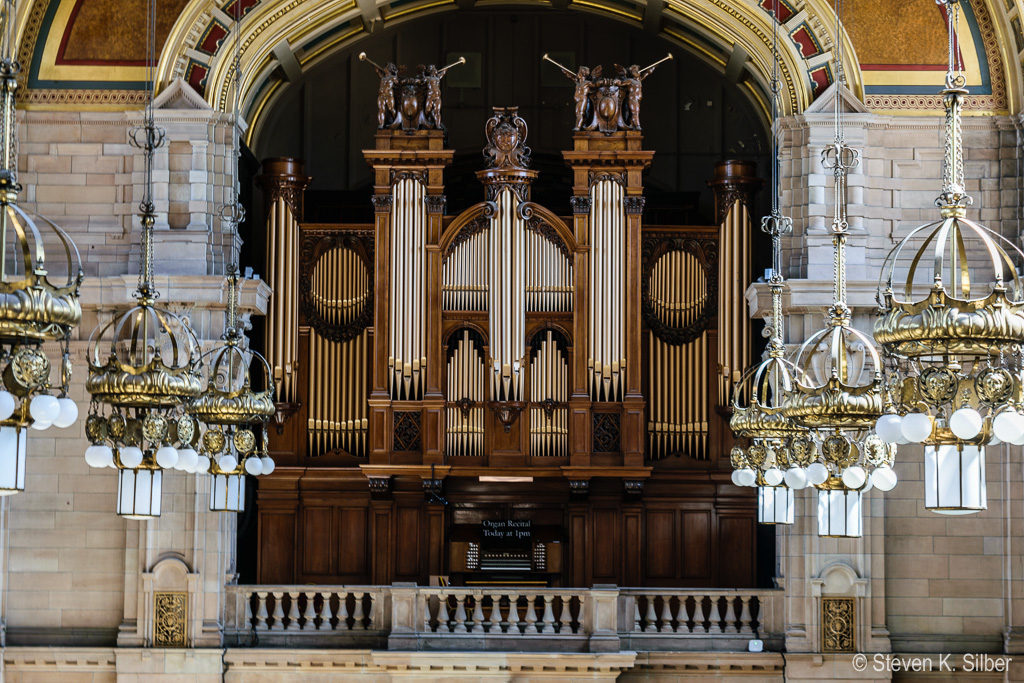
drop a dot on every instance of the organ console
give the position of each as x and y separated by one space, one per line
584 352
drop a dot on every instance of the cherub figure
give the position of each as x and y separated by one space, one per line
631 79
432 76
386 94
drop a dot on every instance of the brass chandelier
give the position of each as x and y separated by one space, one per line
758 397
952 347
233 415
841 456
143 368
39 299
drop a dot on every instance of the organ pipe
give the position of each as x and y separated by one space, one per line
606 360
465 372
466 274
549 382
733 322
282 316
548 276
407 353
506 309
678 404
337 400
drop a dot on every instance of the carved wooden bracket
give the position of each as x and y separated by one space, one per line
506 412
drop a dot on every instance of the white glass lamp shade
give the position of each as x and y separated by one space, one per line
916 427
796 478
966 423
839 513
138 493
227 492
954 479
775 505
773 476
889 428
13 441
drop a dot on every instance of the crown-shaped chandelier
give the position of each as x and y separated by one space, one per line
143 367
831 401
758 396
952 347
234 415
38 298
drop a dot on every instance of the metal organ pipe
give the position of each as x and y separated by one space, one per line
407 351
548 276
282 318
549 379
465 371
607 353
734 325
506 310
678 373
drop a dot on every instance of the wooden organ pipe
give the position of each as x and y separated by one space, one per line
549 379
465 275
678 373
734 324
407 355
548 276
506 310
606 359
465 436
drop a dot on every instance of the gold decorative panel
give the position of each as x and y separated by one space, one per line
838 618
170 616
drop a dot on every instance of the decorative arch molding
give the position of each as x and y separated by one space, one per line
291 36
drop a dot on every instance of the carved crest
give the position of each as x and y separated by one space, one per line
506 140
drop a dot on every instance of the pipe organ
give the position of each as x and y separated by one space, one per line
441 346
607 353
407 358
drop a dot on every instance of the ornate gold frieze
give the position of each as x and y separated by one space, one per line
170 617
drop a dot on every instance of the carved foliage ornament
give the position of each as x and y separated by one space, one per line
170 612
705 251
317 244
407 431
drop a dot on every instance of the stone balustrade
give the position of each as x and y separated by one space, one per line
411 617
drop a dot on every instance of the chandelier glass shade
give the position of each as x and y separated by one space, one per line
951 326
40 282
233 416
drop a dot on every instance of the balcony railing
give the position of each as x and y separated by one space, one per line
410 617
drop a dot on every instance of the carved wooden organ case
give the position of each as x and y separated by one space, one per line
507 336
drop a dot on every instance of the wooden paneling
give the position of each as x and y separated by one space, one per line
691 532
277 548
318 536
662 543
352 556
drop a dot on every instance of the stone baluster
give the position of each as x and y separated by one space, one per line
683 617
310 614
745 619
443 618
650 620
514 625
278 615
666 614
293 611
249 620
343 611
261 610
730 614
548 620
580 618
565 615
426 612
358 615
477 625
699 614
716 614
496 624
636 615
531 614
460 614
